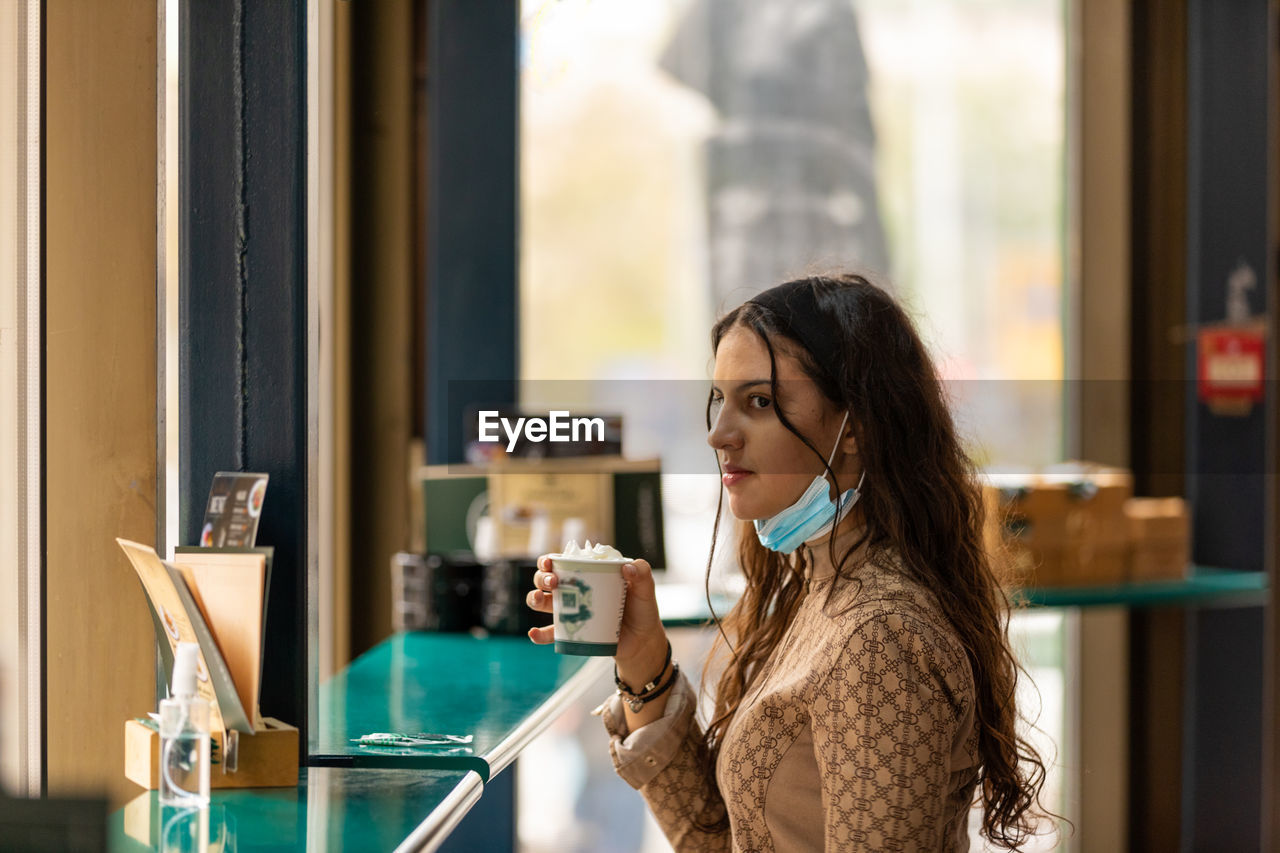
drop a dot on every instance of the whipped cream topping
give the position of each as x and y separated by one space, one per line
599 551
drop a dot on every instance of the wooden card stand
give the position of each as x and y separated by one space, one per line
267 759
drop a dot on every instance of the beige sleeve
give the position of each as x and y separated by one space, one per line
884 721
660 761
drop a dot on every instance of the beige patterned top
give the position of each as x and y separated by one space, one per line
858 735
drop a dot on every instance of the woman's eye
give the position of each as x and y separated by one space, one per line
759 402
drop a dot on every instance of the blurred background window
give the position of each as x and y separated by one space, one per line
678 156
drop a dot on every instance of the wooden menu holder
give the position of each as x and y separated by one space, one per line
215 598
267 759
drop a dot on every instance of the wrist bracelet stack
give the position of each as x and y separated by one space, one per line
637 700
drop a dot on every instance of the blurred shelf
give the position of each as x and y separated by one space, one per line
1203 585
684 604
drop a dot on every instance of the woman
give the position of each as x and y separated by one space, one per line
870 687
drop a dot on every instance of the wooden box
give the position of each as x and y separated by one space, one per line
1160 534
1096 519
1026 532
1022 566
1089 564
1034 514
267 759
1064 527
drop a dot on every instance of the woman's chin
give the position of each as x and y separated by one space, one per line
745 510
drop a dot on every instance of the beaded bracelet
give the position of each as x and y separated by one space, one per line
636 703
649 686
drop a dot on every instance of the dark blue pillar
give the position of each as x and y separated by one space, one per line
472 193
243 295
472 248
1228 48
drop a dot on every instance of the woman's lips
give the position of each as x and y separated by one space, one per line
732 476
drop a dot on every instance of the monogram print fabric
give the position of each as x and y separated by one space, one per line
857 734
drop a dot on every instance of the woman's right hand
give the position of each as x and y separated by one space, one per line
642 641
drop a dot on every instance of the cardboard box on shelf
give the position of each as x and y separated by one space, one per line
618 501
1096 525
1160 538
1095 517
1033 514
1063 526
521 497
1026 531
1020 565
1095 565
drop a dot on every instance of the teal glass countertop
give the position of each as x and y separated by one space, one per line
331 809
1203 585
500 690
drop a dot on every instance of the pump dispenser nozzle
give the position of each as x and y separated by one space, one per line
186 659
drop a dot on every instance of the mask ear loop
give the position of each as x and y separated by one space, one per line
831 458
804 550
853 499
857 490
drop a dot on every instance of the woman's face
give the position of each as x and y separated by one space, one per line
765 467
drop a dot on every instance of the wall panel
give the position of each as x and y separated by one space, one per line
100 382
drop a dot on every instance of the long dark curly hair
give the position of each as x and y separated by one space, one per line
923 501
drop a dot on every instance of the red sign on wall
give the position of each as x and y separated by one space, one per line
1229 372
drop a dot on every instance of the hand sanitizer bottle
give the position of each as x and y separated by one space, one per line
184 736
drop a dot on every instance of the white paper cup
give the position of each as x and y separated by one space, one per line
587 605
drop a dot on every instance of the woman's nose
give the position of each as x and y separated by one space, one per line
723 433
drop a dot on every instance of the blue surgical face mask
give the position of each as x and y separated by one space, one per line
812 515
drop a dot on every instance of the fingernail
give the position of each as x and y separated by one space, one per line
629 570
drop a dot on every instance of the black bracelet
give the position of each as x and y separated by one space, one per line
651 685
636 703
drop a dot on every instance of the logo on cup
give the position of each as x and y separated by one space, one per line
575 605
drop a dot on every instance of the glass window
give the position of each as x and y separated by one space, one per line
678 156
20 380
10 458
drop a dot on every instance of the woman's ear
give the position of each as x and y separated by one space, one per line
848 441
